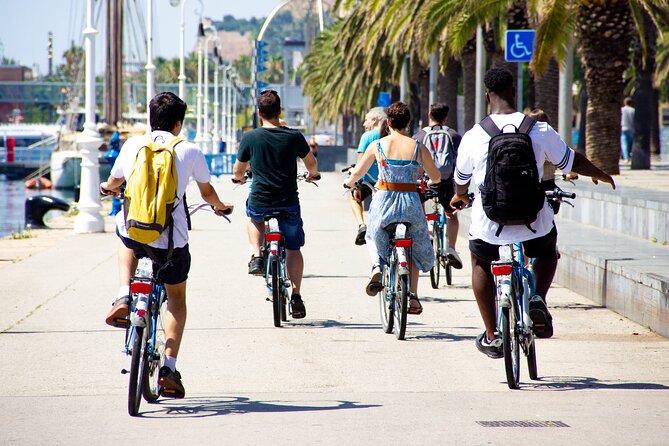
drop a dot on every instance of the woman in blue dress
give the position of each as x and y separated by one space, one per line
401 161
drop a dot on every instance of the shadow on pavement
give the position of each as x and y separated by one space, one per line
331 323
438 336
215 406
566 383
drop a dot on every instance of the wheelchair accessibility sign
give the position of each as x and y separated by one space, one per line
519 45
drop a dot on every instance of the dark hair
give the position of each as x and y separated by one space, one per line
498 80
269 104
539 115
439 112
628 101
398 115
165 110
383 130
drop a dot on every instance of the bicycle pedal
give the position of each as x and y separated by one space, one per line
121 322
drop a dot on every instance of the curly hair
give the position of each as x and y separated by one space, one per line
398 115
269 104
498 80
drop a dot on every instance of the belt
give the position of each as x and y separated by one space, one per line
396 187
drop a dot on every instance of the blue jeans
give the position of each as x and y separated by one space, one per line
291 227
626 140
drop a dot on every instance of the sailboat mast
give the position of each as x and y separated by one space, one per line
114 62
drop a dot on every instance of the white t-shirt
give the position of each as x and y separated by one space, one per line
190 163
627 118
471 165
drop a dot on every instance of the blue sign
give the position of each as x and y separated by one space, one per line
384 99
260 44
261 68
519 45
262 60
262 85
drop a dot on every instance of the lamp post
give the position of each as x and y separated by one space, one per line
182 49
216 139
150 67
230 92
233 129
198 104
224 116
207 133
89 218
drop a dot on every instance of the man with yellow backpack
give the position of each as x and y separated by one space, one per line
154 221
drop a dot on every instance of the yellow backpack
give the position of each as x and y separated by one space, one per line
151 191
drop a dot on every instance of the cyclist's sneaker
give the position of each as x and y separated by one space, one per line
257 266
118 315
374 285
453 258
492 349
297 309
170 383
542 321
360 237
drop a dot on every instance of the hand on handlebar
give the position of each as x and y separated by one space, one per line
225 210
106 190
311 178
460 201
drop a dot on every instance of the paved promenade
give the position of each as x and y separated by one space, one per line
332 378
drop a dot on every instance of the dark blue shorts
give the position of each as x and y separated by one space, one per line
291 227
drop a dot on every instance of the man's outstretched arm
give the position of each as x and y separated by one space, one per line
583 166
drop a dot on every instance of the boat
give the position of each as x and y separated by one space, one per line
30 148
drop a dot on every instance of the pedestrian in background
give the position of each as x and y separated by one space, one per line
627 129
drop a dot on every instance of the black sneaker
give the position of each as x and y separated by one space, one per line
492 349
542 321
257 266
170 383
297 309
360 238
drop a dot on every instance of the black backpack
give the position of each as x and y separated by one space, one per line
511 193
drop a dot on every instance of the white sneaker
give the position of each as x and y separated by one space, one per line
453 258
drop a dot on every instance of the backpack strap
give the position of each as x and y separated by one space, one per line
527 124
489 126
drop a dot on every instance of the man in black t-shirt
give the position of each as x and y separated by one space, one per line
271 151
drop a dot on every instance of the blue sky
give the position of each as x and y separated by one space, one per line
26 24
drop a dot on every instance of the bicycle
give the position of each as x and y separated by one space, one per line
514 281
145 337
273 252
439 241
396 277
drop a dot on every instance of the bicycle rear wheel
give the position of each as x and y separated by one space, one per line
386 301
276 292
137 367
448 269
510 344
436 245
532 361
401 306
156 358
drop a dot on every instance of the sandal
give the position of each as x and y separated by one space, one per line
118 315
414 309
374 285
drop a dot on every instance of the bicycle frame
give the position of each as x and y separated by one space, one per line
396 271
275 253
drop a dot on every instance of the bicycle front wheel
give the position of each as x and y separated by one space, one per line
436 245
510 344
386 301
401 306
137 366
156 356
276 292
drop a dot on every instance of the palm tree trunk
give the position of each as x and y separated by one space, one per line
655 124
546 87
643 95
469 83
448 91
604 29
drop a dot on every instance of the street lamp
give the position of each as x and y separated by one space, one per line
207 133
198 104
150 67
89 218
234 116
216 140
182 50
224 117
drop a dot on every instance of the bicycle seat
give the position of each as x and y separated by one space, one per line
279 215
393 226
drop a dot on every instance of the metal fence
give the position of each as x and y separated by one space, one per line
221 163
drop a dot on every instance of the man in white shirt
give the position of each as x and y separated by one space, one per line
539 239
167 113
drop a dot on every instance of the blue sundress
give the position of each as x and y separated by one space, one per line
391 207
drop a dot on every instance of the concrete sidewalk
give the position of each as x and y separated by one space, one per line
332 378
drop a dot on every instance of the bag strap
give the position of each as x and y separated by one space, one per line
187 213
526 125
489 126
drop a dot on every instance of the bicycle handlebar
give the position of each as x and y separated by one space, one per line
559 194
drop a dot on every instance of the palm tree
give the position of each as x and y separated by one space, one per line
603 28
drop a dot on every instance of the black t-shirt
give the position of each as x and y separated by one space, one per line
273 153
